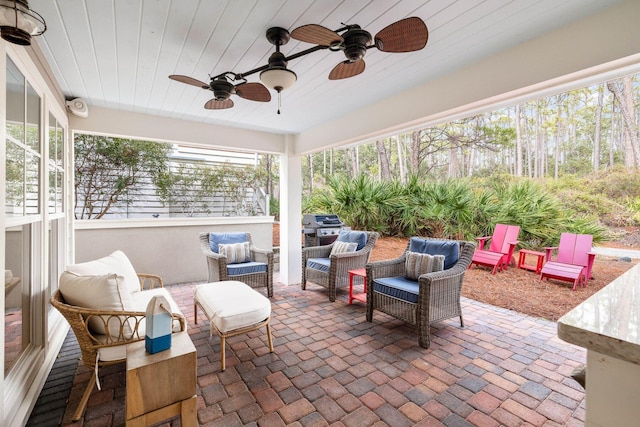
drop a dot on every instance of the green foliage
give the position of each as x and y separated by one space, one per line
107 168
274 208
192 188
184 188
362 202
604 195
538 213
616 183
457 209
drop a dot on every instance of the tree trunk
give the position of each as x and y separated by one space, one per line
353 154
415 151
559 129
518 142
624 95
402 166
537 163
596 137
453 161
613 132
383 160
310 164
324 164
331 161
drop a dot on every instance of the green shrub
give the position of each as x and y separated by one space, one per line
458 209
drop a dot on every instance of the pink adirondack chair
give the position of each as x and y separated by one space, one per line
573 262
501 246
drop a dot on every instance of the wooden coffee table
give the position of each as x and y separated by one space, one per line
162 385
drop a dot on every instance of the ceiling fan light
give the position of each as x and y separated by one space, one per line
18 23
278 78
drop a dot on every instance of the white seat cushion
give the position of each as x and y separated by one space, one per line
112 353
232 305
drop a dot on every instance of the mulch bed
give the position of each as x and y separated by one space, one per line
522 290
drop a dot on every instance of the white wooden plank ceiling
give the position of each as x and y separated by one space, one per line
118 53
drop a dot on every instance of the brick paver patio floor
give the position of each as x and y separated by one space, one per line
331 367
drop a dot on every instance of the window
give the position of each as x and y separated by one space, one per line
23 145
23 246
56 166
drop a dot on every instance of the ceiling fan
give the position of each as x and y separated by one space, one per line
222 89
406 35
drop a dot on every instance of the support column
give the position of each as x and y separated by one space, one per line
290 215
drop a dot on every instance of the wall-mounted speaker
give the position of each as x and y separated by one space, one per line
78 107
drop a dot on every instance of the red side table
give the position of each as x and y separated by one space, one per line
361 272
540 260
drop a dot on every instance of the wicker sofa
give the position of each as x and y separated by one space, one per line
105 303
322 266
431 298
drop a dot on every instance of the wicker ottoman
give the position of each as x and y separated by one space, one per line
232 308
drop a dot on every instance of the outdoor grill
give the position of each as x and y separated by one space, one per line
321 229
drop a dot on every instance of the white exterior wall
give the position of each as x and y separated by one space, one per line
169 248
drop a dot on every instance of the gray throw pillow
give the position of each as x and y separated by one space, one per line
417 264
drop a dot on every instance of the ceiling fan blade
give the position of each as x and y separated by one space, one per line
189 80
406 35
214 104
253 92
347 69
316 34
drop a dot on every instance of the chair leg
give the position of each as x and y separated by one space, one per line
85 398
269 338
222 355
424 340
195 313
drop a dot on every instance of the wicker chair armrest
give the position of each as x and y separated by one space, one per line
387 268
348 255
261 255
206 247
120 326
210 254
317 251
428 279
150 281
128 326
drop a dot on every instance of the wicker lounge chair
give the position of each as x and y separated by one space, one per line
121 327
257 272
331 271
433 297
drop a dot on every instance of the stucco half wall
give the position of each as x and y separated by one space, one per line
169 248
